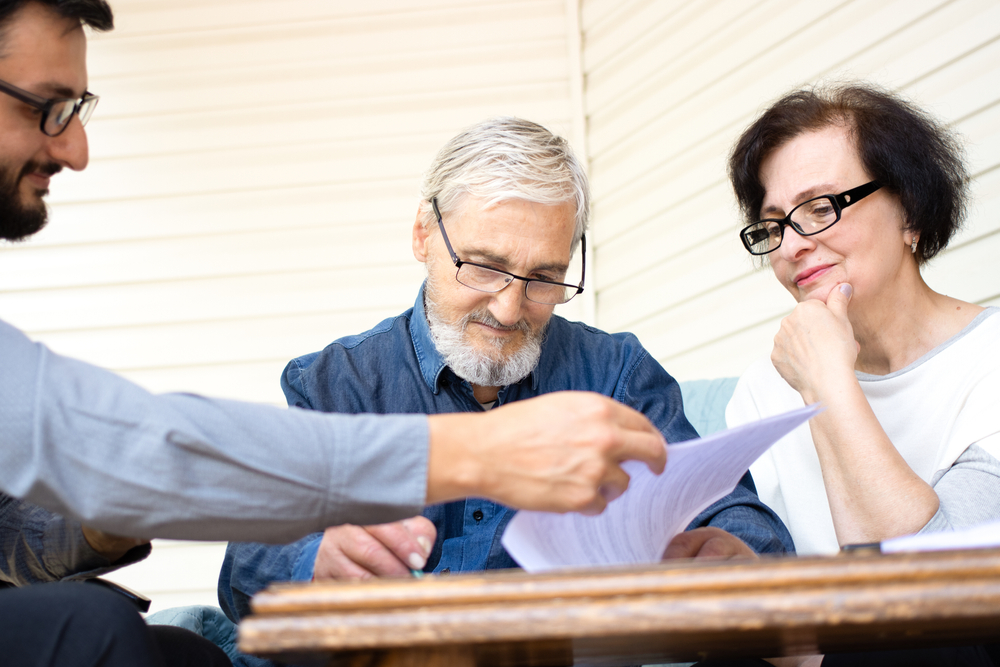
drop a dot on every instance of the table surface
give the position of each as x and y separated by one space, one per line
676 611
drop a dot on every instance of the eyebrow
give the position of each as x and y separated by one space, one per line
58 90
486 256
805 195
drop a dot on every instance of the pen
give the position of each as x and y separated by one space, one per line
416 573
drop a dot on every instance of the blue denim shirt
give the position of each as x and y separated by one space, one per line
395 368
37 546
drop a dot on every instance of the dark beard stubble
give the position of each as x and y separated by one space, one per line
17 221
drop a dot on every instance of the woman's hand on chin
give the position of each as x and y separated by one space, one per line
815 346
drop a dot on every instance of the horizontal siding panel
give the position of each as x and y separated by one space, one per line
723 357
358 122
928 42
652 193
328 205
249 254
207 300
676 52
243 90
714 315
256 382
144 17
230 342
289 166
322 39
667 233
640 27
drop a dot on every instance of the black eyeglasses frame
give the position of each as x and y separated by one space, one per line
459 263
45 105
840 202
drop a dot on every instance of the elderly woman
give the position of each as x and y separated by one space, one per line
847 192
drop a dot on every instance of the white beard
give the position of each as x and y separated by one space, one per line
487 368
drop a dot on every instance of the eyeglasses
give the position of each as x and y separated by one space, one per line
56 113
484 279
810 217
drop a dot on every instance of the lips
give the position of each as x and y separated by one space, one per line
811 274
39 181
39 174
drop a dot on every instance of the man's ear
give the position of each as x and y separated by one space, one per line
420 239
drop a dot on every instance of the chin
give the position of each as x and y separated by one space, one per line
821 293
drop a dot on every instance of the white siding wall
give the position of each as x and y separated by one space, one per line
669 87
256 164
254 177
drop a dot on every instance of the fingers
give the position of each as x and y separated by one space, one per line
386 550
561 452
839 299
639 439
410 541
708 542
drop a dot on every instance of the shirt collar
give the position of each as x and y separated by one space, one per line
431 362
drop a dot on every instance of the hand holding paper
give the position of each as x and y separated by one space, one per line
637 527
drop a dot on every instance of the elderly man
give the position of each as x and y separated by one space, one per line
82 441
505 204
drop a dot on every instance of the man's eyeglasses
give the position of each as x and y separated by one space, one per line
810 217
56 113
484 279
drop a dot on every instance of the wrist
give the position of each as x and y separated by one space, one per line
829 387
453 470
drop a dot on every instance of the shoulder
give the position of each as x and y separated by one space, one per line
577 338
358 360
392 333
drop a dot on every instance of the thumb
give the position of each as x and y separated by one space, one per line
839 297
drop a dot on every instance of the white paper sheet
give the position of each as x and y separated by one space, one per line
636 527
983 536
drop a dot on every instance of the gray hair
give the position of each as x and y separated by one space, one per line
506 158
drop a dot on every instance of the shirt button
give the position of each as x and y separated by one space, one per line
446 570
477 515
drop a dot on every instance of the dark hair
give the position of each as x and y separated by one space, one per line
95 13
911 154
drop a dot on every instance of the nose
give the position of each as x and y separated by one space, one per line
70 148
794 245
507 304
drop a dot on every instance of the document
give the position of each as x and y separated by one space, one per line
636 527
983 536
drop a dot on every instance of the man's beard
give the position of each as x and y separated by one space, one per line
486 368
17 221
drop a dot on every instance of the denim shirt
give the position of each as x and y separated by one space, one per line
396 368
37 546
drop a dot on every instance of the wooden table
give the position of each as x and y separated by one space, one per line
681 611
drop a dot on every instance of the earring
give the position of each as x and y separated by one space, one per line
913 246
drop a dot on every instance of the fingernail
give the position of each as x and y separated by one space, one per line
424 543
417 561
846 290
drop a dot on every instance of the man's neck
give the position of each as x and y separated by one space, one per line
485 394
